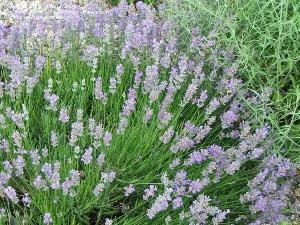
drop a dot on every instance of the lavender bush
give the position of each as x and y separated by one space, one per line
109 117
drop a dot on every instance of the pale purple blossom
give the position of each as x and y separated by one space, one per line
51 172
151 78
76 132
47 219
269 190
167 136
228 118
107 137
72 181
63 115
19 165
17 138
11 194
99 189
108 221
177 202
98 91
87 156
4 145
8 167
79 114
123 123
191 90
112 85
160 204
108 177
174 163
52 99
201 99
54 139
26 200
129 190
212 106
39 183
101 159
149 192
129 105
201 210
148 115
120 69
90 56
39 62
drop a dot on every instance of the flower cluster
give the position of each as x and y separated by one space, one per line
200 211
269 190
87 94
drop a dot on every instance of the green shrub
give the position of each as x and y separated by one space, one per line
264 36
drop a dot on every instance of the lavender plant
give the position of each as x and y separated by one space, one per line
102 109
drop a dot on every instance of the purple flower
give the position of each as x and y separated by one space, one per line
98 189
51 172
197 157
87 156
76 132
39 62
54 139
19 165
191 90
47 219
167 136
201 210
269 190
228 118
108 177
52 99
39 183
26 200
17 138
72 181
108 221
161 203
129 190
148 115
149 192
90 55
183 143
212 106
107 137
11 194
112 85
174 163
195 186
63 115
120 69
120 72
129 105
151 79
99 93
122 125
101 159
177 203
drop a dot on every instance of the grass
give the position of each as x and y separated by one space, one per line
265 37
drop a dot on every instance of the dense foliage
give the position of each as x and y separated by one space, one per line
108 116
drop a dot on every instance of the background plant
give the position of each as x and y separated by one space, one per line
263 35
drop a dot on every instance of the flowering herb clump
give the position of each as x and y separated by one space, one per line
106 113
